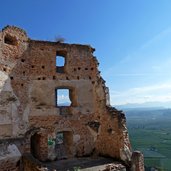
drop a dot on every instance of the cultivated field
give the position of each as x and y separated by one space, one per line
150 132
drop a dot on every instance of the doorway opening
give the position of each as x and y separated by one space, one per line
63 145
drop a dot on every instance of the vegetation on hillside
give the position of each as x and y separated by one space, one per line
150 132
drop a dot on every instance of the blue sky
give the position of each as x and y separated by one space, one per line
132 39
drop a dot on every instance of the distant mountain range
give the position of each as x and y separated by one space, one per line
149 105
139 106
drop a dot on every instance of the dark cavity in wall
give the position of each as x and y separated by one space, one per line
10 40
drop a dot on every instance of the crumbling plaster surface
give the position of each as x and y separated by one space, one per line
9 157
28 79
42 95
13 124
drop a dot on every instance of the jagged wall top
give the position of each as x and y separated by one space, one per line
14 28
20 33
17 32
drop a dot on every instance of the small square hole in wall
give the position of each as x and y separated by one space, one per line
63 97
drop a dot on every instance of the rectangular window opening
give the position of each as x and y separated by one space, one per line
60 61
63 97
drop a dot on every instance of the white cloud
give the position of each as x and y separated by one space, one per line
160 93
63 99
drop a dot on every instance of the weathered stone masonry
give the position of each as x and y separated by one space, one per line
30 116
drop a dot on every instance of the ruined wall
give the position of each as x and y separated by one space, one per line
137 161
12 121
28 80
9 158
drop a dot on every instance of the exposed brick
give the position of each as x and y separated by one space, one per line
29 77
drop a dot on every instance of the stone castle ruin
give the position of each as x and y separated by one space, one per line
36 127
